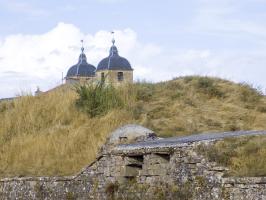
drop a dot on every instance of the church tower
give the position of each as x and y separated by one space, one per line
82 72
114 69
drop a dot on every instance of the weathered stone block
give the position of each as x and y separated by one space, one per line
129 171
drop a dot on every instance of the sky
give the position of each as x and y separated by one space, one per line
40 40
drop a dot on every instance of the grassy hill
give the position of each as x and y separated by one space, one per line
50 135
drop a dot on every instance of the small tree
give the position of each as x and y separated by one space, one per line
98 99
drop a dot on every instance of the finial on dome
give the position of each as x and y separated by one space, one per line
82 46
82 56
113 49
113 34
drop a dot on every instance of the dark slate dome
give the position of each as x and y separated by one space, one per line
114 61
83 68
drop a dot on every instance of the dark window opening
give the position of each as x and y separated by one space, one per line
135 161
122 139
120 76
166 157
139 158
133 166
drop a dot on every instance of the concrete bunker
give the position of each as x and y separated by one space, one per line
139 163
130 134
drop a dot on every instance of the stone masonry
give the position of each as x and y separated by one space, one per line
135 164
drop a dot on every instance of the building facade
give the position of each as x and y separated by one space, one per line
113 69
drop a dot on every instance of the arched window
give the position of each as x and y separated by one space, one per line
120 76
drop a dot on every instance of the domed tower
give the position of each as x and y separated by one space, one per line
114 69
82 72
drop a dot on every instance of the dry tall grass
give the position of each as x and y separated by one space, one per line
48 135
244 156
199 104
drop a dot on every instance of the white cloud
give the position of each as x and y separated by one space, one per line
28 61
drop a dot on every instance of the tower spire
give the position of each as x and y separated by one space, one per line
82 57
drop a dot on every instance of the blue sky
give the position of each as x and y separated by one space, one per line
161 39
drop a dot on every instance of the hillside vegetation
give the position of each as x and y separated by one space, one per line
57 133
245 156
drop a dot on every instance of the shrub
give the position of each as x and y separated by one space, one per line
97 99
70 196
204 83
188 79
207 86
111 189
249 94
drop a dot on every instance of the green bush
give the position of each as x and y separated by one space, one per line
204 83
98 99
208 87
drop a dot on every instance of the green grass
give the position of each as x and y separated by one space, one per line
97 100
58 133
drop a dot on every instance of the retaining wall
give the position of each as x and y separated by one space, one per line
173 172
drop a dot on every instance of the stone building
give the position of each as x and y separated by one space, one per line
113 69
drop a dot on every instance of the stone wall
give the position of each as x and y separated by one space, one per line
173 171
111 76
80 80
